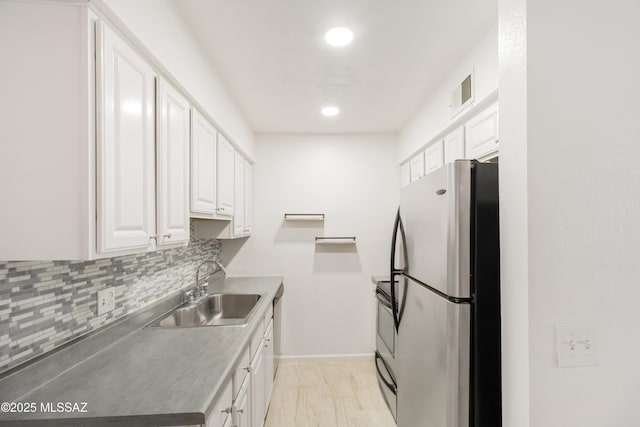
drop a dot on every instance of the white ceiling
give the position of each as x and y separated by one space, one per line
272 55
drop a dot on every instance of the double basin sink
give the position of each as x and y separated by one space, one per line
212 310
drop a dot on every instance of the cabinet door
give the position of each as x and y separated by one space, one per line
258 405
405 174
241 409
268 364
481 133
125 97
222 409
238 199
454 146
433 157
417 166
172 162
248 197
226 160
203 165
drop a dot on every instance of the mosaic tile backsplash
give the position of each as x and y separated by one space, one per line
44 304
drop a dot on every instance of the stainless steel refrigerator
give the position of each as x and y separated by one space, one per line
445 258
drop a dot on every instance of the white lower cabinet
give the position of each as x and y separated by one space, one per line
268 363
221 414
241 407
258 403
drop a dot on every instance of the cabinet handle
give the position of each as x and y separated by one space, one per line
226 411
168 235
247 368
153 236
240 411
497 140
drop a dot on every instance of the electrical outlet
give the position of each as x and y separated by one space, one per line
577 344
106 300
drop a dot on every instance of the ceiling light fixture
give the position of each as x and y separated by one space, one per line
339 36
330 111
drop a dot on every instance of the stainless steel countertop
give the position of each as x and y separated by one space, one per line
153 376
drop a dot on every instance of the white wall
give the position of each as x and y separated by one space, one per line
434 115
329 303
160 28
578 104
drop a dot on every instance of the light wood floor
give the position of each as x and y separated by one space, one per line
327 394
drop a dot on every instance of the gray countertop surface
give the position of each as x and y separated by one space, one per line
152 376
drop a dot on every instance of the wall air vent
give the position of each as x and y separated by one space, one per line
462 95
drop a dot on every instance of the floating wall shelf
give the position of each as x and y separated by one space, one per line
336 240
303 217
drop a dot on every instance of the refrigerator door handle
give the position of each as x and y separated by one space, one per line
393 272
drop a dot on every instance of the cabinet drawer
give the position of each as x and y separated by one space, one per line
256 339
268 315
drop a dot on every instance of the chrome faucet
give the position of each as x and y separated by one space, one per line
224 270
200 290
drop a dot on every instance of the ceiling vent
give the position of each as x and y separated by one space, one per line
462 95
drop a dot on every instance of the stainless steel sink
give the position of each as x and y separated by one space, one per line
212 310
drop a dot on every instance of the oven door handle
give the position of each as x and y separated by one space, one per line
389 385
383 299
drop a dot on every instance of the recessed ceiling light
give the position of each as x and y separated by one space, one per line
339 36
330 111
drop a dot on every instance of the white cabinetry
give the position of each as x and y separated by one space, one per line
258 401
417 166
203 166
225 176
433 157
241 405
239 199
248 197
125 146
405 174
220 415
268 363
481 134
172 159
454 146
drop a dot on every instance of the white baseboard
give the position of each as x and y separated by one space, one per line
325 358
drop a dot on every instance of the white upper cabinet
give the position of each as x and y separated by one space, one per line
454 146
433 157
125 154
405 174
248 197
203 166
481 134
172 162
417 166
238 218
225 187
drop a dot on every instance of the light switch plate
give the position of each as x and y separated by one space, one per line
577 345
106 300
